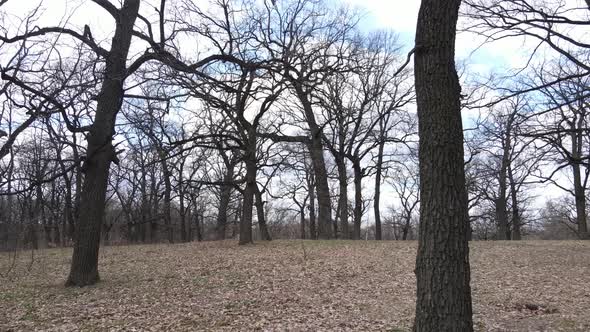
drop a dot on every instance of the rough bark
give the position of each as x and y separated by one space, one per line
343 198
313 234
316 153
302 221
181 205
579 189
249 192
167 197
377 196
263 227
516 229
442 266
100 152
580 197
503 232
198 227
225 197
358 200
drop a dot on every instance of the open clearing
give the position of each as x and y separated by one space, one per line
291 285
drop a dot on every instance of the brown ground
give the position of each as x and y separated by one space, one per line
291 285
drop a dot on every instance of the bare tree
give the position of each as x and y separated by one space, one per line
562 124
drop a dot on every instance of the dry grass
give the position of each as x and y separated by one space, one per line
291 285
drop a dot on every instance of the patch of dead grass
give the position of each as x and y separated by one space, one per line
291 285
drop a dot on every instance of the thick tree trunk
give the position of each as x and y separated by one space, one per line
264 233
198 228
501 214
40 214
358 199
579 189
189 230
324 221
406 228
377 197
313 234
238 219
516 232
100 153
316 152
442 266
249 192
167 198
503 232
182 208
343 198
580 197
302 221
68 209
225 197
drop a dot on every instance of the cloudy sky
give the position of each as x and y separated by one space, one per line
401 16
397 15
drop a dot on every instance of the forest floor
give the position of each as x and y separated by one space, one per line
290 285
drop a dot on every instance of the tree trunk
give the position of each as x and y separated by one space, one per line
322 188
580 197
68 209
198 226
503 232
343 198
377 197
182 208
316 152
516 233
358 199
443 294
313 234
579 189
302 221
225 197
40 213
264 233
249 191
100 153
406 226
167 198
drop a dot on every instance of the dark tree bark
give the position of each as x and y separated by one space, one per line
579 187
167 197
316 153
442 265
100 152
501 200
343 197
249 192
516 230
225 196
181 198
264 233
302 221
358 199
198 227
377 196
312 223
